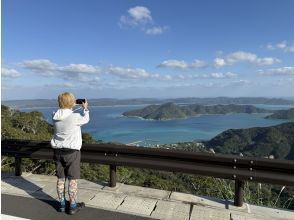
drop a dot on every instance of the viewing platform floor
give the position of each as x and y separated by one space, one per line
24 197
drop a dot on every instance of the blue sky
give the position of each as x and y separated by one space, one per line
152 48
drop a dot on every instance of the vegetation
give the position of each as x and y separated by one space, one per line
21 125
277 141
31 125
283 114
173 111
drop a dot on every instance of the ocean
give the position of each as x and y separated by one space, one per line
108 124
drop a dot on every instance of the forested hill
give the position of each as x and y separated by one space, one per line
261 142
22 125
173 111
28 125
283 114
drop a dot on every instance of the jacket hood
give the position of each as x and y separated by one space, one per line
62 114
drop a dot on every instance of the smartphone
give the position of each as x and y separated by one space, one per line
80 101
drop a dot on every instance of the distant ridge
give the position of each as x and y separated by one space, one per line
147 101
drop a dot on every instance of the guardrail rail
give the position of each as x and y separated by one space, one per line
239 169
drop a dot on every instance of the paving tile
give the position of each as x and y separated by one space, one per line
106 200
85 184
201 200
40 178
243 216
112 189
230 205
205 213
272 213
133 204
48 191
19 186
143 191
171 210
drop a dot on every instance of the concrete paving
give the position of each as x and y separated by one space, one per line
208 213
106 200
141 201
138 205
171 210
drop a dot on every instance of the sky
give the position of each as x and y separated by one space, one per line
147 48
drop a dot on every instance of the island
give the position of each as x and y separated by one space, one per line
172 111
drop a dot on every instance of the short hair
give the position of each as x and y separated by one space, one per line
66 100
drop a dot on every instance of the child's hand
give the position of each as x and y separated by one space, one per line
85 104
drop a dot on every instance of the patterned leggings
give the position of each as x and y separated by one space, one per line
72 190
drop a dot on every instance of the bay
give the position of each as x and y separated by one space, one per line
108 124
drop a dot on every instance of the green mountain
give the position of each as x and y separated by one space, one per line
22 125
28 125
277 141
283 114
172 111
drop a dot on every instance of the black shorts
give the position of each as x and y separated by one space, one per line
67 163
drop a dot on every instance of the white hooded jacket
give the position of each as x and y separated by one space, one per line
67 128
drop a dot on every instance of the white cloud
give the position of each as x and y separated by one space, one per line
290 49
62 85
183 65
198 64
156 30
270 47
84 73
137 74
136 16
129 73
288 70
241 56
219 62
46 67
283 45
241 82
79 68
189 77
141 18
140 14
9 73
266 61
227 75
77 73
166 77
41 66
174 64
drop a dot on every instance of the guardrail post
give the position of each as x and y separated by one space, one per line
112 175
18 170
239 190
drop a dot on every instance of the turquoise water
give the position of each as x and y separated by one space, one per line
107 124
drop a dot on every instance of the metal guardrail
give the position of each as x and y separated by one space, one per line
232 167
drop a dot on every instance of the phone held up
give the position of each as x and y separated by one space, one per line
80 101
